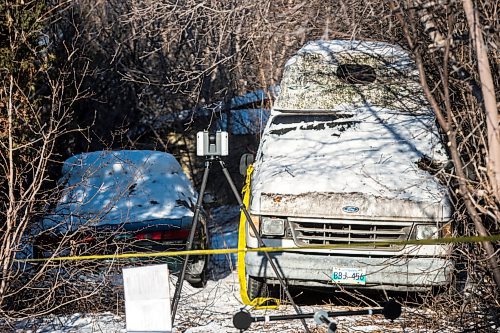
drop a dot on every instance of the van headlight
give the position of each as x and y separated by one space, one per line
426 232
272 226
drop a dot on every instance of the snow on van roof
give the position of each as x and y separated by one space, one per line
328 48
111 187
325 75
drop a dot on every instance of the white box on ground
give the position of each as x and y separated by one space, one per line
147 299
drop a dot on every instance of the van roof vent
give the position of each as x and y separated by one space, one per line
356 73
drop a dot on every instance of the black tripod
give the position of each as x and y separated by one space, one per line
180 280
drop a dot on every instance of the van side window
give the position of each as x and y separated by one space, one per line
356 73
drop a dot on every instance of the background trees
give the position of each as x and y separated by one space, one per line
40 81
450 43
86 75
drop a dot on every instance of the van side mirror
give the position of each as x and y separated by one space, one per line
245 161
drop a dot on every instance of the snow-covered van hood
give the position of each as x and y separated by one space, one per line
365 162
113 187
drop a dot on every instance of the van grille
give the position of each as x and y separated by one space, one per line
365 234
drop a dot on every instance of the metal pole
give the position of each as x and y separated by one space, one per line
311 315
189 243
261 243
391 310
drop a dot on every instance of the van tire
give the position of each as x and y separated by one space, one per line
256 287
197 270
460 283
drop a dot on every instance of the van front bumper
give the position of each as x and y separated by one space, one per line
389 273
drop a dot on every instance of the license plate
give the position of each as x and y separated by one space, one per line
349 275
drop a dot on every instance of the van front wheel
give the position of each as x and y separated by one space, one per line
256 287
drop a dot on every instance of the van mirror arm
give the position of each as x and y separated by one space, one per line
245 161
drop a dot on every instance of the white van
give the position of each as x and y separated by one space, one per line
350 160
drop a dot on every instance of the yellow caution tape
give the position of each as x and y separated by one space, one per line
134 255
259 302
242 250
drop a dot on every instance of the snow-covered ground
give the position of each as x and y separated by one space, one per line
211 309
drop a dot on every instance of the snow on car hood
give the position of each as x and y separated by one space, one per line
370 151
112 187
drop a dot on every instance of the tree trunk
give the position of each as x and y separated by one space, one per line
490 103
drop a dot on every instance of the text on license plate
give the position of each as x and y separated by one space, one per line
349 275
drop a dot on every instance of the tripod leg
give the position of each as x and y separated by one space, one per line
189 243
261 243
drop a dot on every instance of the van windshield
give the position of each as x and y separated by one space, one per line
362 134
365 150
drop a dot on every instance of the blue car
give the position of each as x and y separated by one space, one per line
127 201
